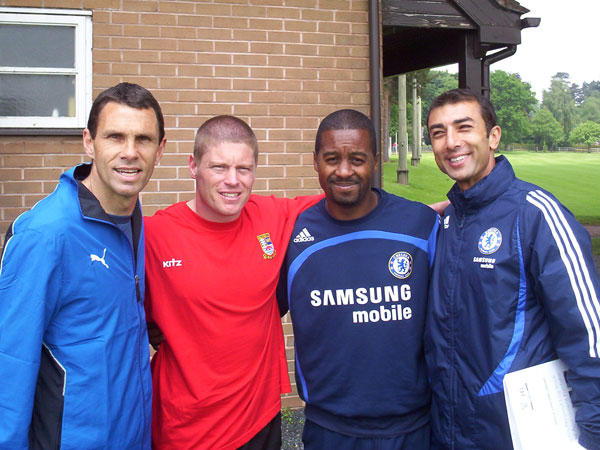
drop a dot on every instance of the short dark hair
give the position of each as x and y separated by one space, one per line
132 95
454 96
221 129
346 119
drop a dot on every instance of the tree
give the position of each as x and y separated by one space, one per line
589 109
587 133
545 129
441 81
558 99
390 96
514 101
591 88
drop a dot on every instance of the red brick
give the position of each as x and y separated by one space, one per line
301 49
141 30
318 14
250 60
195 46
176 7
266 47
249 84
208 9
283 13
351 16
194 21
249 11
283 36
121 17
266 72
232 97
138 5
231 71
230 22
300 25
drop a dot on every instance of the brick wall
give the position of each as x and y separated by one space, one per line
281 65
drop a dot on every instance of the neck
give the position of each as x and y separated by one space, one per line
114 205
353 212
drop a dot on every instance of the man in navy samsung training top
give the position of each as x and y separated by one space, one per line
513 286
355 281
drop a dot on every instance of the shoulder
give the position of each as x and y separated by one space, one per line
542 214
282 203
409 208
277 208
164 216
54 213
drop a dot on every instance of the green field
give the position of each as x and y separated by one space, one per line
573 177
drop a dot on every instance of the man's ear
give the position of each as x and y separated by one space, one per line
160 151
88 144
376 162
315 161
192 166
494 137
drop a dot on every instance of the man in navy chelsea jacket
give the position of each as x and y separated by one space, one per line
355 280
74 359
513 286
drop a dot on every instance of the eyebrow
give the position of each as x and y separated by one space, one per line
454 122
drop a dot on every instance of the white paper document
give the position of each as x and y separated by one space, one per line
540 411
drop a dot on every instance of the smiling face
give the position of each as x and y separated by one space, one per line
345 164
224 178
124 153
463 150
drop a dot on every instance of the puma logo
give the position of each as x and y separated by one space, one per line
99 259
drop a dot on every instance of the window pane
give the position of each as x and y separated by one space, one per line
37 95
37 46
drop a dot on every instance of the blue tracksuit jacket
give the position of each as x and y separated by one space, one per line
514 285
74 359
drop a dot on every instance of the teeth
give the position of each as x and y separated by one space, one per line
230 194
127 171
458 158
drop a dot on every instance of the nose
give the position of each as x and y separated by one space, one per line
344 169
129 150
231 176
452 139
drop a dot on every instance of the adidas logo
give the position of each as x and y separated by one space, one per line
304 236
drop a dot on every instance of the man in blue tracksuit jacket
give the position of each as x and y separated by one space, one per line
355 279
514 286
74 359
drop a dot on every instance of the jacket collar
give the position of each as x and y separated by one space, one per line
90 206
486 190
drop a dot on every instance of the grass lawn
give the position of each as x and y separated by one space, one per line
572 177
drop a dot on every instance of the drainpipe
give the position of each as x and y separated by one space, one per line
375 83
491 59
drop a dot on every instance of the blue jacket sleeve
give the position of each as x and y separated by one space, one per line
567 283
29 287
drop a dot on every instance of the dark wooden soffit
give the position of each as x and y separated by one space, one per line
419 34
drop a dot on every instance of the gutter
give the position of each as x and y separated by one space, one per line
375 82
491 59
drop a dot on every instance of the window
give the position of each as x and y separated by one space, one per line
45 68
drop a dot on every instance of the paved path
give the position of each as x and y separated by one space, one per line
594 231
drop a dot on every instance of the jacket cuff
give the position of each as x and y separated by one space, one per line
588 441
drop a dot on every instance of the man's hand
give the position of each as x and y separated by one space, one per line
439 207
155 335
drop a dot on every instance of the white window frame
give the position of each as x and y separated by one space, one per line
82 21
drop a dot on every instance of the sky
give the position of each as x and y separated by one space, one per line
565 41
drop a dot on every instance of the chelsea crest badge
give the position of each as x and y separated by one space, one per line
267 246
400 265
490 241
